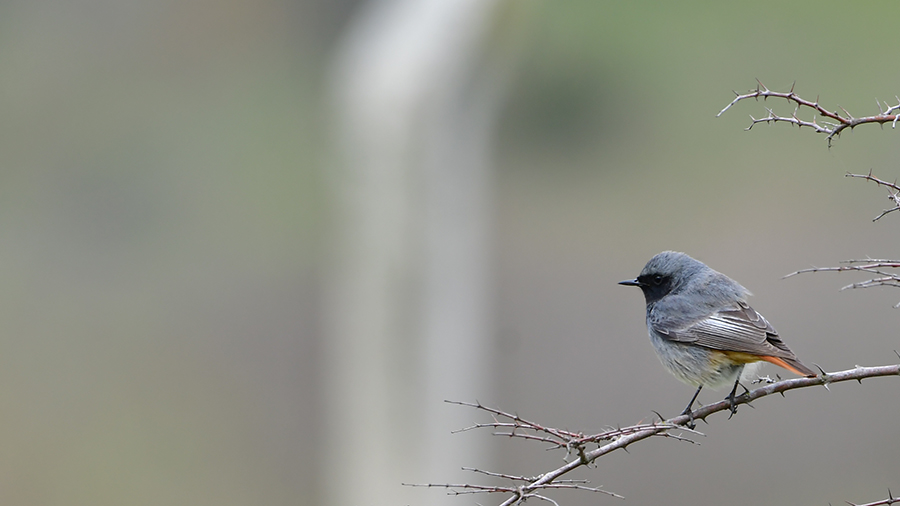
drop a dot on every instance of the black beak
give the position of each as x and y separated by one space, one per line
630 282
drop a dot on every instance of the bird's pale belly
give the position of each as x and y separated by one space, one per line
699 366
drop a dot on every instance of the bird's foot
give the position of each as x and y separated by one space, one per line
687 411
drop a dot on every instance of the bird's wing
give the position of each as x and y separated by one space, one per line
740 330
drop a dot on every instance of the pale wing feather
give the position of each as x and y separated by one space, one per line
740 330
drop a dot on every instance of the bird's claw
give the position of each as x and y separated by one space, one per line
687 411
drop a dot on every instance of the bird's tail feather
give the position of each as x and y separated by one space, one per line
791 364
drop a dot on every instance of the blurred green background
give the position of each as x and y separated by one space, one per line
167 215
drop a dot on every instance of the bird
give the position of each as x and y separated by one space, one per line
702 328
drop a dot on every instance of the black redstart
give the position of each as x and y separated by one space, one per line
702 328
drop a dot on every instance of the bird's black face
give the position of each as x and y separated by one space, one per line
654 285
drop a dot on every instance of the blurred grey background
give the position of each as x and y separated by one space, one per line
248 248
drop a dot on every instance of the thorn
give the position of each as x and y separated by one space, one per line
820 369
661 419
896 353
792 86
782 394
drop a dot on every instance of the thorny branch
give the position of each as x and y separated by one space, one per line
893 196
890 500
869 265
581 446
518 427
834 122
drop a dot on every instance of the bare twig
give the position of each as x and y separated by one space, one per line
871 266
518 491
498 475
621 438
464 488
832 126
874 179
852 266
519 427
893 196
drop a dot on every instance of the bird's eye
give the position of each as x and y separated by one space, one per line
658 279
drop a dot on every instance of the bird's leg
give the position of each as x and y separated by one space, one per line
732 407
687 410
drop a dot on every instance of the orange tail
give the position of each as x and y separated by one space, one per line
794 366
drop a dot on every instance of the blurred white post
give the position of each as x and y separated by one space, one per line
409 316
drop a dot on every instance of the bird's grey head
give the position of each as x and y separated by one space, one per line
667 272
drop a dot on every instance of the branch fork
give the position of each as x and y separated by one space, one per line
832 126
616 438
